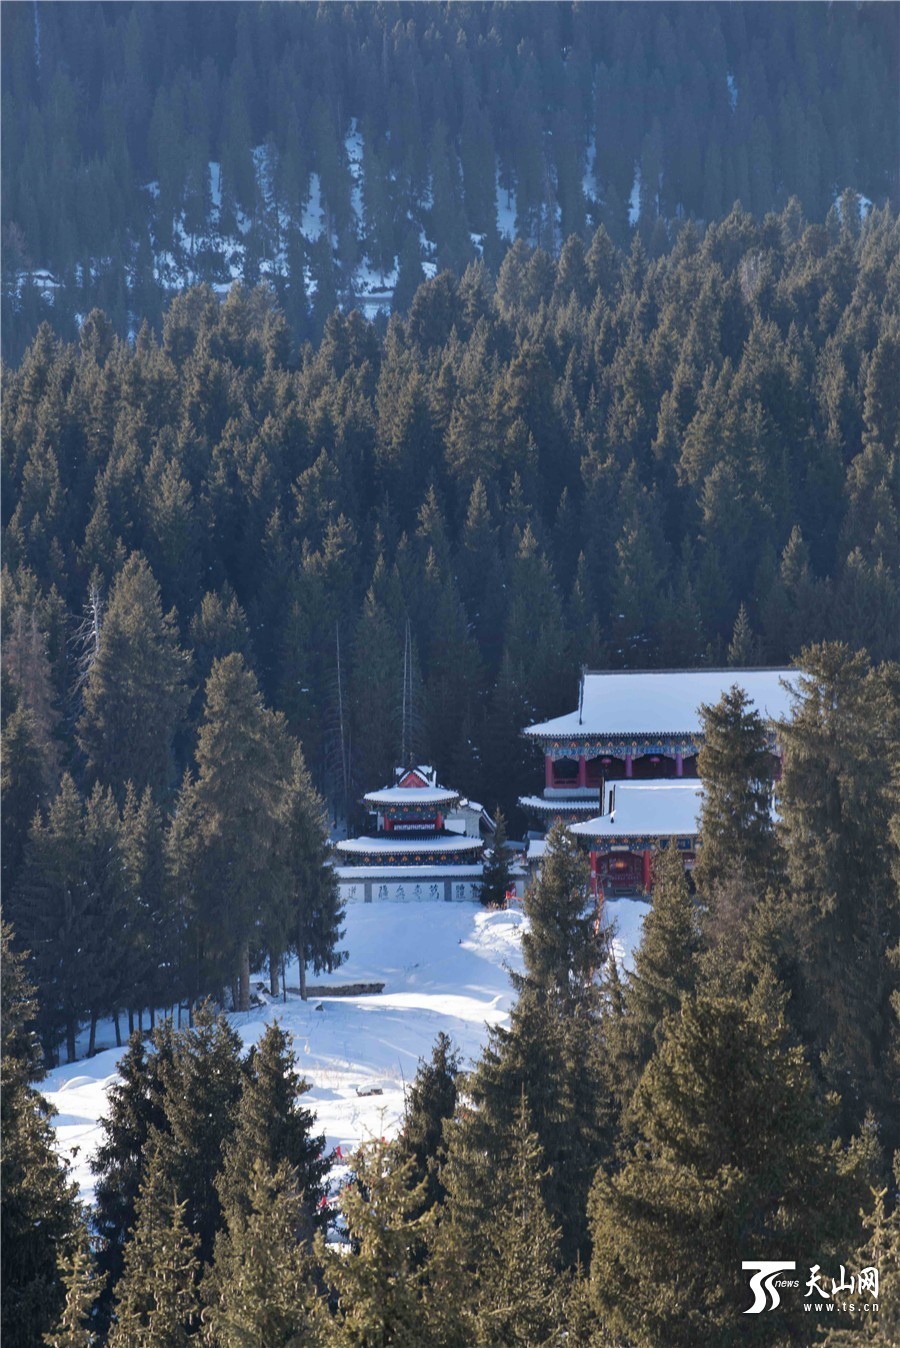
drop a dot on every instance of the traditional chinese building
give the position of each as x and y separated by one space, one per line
425 843
634 727
640 817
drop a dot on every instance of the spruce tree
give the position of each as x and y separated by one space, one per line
273 1128
561 944
520 1290
158 1302
135 695
731 1162
496 880
202 1082
40 1218
134 1111
379 1285
224 860
74 1327
737 830
552 1051
54 916
313 924
260 1290
665 963
430 1100
843 917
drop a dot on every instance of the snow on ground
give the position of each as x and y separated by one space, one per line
634 201
506 210
444 967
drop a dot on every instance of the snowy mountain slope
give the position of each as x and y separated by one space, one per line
444 967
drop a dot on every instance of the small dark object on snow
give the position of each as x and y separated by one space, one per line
369 1090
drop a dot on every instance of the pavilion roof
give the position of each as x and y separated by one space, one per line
663 702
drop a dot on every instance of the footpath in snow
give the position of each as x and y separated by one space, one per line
444 967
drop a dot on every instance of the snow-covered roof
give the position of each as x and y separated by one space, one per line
663 702
641 809
536 849
412 795
561 804
435 842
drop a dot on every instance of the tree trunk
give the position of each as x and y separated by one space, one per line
283 981
235 995
118 1031
92 1039
130 1021
141 1020
273 973
245 979
152 1018
70 1040
301 957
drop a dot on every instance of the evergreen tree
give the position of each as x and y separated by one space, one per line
272 1128
731 1155
260 1289
231 888
496 880
843 916
379 1285
135 695
561 945
430 1100
40 1218
736 825
135 1110
665 964
314 902
157 1301
73 1329
521 1291
201 1083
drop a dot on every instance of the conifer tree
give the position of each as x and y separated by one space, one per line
273 1128
73 1329
202 1082
260 1290
561 944
53 911
40 1218
134 1111
224 850
520 1291
379 1286
736 825
135 695
495 883
665 962
314 905
157 1301
430 1100
551 1051
731 1153
843 918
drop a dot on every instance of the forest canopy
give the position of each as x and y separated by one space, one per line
147 146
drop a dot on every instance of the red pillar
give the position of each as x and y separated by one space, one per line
548 770
628 765
679 764
594 885
646 862
582 770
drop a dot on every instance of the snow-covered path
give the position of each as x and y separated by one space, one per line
444 967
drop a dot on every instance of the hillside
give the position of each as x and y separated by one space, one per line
345 152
